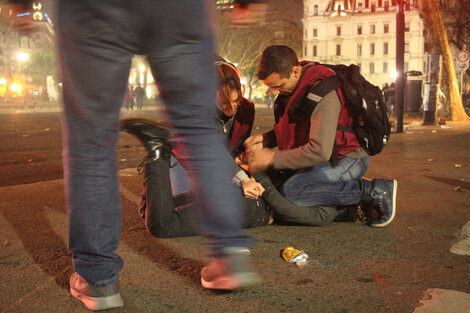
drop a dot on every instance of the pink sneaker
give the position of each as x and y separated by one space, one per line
95 298
230 271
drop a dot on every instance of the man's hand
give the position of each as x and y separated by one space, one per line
254 143
251 188
262 159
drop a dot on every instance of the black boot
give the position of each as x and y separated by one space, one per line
154 136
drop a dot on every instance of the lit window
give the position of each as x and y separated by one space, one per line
338 50
315 10
372 49
386 6
315 32
338 30
359 29
372 29
372 7
314 51
385 48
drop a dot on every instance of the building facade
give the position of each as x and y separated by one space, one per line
362 32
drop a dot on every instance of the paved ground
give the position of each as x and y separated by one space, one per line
352 267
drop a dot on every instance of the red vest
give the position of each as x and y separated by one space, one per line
244 118
292 132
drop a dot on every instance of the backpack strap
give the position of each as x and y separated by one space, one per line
307 103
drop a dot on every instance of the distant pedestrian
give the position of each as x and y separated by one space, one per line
130 96
390 98
270 98
139 93
385 92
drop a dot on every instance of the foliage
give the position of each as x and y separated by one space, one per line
244 45
456 16
41 62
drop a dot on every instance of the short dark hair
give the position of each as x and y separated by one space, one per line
277 59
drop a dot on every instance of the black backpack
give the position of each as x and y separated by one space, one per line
363 100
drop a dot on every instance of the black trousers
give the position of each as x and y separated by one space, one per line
168 216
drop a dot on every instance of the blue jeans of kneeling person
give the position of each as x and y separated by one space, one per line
329 186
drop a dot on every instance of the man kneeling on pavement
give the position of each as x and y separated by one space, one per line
319 164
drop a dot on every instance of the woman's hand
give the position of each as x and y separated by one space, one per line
251 188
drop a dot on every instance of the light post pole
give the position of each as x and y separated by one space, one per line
400 66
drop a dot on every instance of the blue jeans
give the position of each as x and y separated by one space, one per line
96 41
329 186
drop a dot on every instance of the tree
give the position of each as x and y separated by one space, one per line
6 34
243 45
433 20
42 64
456 17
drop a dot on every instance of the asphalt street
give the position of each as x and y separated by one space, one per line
419 263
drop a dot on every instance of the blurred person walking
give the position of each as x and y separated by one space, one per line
96 41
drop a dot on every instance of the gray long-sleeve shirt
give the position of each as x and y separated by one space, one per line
322 134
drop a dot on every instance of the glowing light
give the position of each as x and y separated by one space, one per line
37 16
142 68
21 56
394 74
243 81
3 81
16 88
37 6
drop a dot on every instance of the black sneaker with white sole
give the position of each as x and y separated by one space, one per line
384 200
